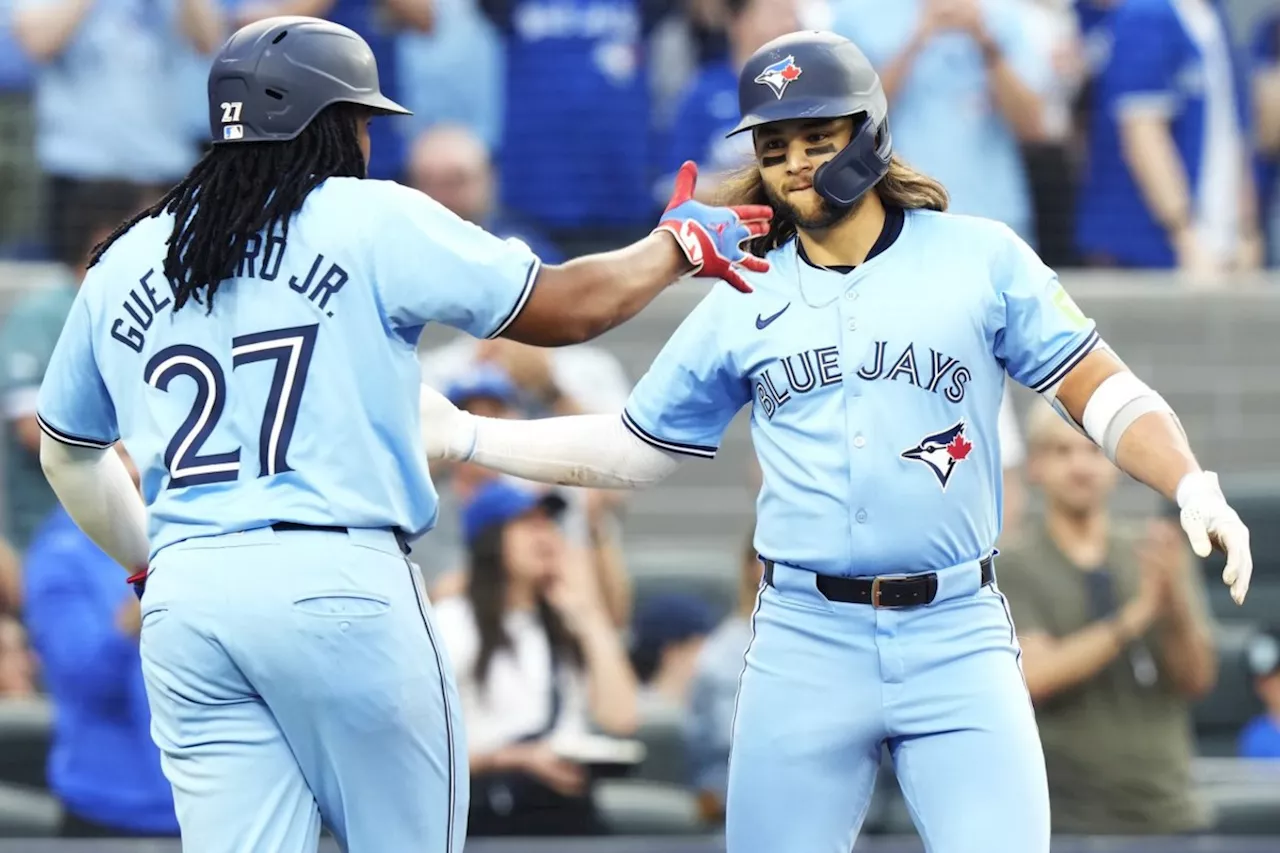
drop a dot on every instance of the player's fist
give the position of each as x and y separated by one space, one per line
1210 522
448 433
712 237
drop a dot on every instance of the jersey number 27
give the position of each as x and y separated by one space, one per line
290 349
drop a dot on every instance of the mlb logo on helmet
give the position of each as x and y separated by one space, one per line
233 131
779 75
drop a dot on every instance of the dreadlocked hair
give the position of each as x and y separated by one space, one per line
235 192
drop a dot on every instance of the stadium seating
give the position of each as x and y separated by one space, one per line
27 812
1220 716
640 807
24 741
665 760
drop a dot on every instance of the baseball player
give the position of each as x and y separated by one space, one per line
251 340
873 357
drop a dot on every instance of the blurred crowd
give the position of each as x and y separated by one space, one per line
1108 133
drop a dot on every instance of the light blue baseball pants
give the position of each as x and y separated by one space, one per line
827 683
295 677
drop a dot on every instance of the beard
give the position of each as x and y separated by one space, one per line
826 216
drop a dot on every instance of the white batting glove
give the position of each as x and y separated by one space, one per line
1208 520
447 432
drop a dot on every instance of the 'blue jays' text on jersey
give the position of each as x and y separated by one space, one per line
875 394
297 398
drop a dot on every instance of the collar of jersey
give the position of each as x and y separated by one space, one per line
894 222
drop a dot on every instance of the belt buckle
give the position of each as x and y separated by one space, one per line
875 589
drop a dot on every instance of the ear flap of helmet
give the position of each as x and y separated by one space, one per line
844 178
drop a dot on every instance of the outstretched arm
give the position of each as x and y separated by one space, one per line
586 297
1141 434
595 451
1052 347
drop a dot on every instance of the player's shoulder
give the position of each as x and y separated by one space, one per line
378 197
978 240
143 246
976 232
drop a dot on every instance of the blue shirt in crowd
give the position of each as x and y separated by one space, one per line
706 111
944 118
1174 59
110 105
1261 738
576 134
103 765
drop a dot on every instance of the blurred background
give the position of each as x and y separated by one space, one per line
560 122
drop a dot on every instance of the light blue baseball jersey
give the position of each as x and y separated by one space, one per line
297 398
874 393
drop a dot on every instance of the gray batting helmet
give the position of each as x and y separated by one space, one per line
820 75
273 77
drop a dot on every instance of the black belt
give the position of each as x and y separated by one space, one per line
884 590
401 539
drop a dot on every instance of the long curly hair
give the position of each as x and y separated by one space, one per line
237 191
902 187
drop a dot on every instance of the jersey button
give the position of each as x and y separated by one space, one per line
861 516
859 441
853 325
851 295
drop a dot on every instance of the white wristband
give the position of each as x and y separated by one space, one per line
1196 484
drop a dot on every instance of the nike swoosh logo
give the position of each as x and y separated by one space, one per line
761 322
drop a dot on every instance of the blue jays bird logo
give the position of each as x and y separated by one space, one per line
941 452
779 75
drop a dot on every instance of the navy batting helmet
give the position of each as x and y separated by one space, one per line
819 75
273 77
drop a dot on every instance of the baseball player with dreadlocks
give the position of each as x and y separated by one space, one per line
873 357
251 339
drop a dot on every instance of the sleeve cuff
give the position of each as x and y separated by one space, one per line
700 450
531 278
1074 357
71 438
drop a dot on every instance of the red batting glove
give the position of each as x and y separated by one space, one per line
711 237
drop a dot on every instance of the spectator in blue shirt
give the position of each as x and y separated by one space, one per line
84 623
708 107
1261 737
965 87
1266 84
575 151
108 84
431 85
1168 180
20 226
